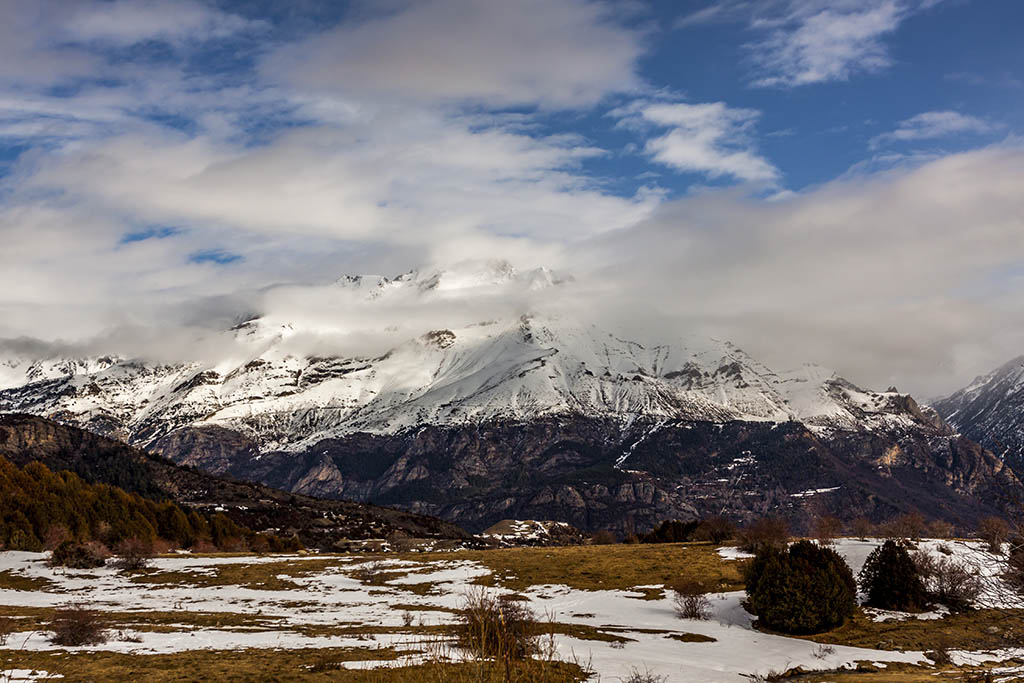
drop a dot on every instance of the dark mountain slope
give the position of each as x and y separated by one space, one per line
319 523
596 473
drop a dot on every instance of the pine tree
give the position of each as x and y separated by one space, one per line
890 579
803 589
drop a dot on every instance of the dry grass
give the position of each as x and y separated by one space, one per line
963 631
895 672
527 671
75 625
608 567
278 665
200 665
257 576
10 580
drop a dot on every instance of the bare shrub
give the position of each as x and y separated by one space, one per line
6 629
715 530
824 651
940 529
55 535
940 656
953 584
827 529
401 541
603 537
690 601
78 555
994 531
369 572
911 526
133 554
1014 572
204 546
497 627
162 546
926 564
645 676
632 539
764 533
75 625
863 528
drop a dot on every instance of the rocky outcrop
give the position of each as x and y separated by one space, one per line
597 474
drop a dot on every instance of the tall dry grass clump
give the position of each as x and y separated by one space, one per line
133 554
75 625
691 601
497 627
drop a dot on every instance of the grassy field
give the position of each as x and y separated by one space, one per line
273 665
418 598
973 630
604 567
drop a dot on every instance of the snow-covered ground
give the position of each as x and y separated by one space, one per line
331 595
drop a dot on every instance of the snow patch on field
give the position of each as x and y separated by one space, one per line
332 595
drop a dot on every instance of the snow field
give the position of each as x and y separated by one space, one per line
331 596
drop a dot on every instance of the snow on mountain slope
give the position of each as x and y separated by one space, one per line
519 368
990 410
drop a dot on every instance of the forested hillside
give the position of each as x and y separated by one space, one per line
40 508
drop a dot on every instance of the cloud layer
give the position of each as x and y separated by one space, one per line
555 53
171 167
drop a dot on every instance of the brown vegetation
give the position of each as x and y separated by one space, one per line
691 601
133 554
76 625
827 529
768 533
994 531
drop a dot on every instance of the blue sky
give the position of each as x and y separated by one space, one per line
849 167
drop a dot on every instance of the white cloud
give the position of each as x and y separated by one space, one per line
813 41
384 178
382 175
556 53
710 138
933 124
894 277
817 42
128 22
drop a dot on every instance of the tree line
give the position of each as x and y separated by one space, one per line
40 509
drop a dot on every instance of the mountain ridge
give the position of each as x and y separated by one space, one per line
426 422
97 459
990 410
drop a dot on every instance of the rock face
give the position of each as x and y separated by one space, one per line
320 524
599 474
991 411
535 416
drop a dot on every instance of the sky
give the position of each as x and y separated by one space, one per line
838 182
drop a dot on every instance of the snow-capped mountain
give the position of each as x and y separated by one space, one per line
990 410
432 392
514 369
